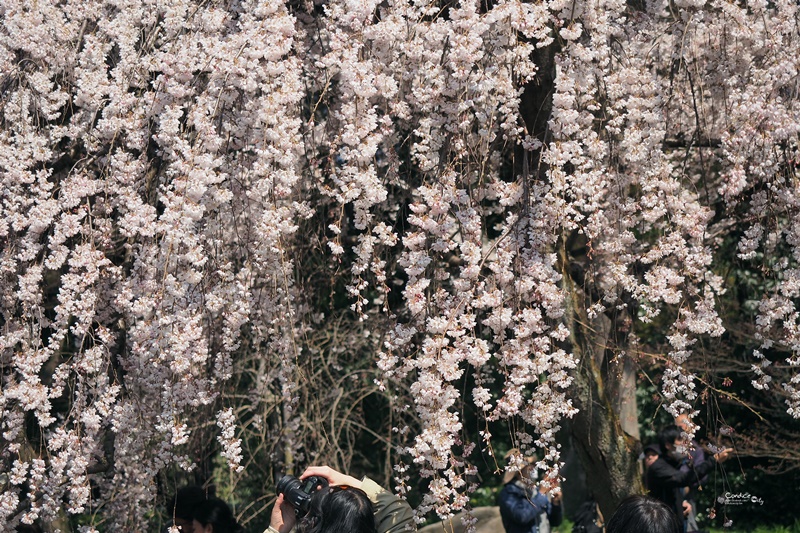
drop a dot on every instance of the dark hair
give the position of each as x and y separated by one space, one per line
643 514
339 509
185 501
668 435
652 447
217 513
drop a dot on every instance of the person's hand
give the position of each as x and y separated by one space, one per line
333 477
551 487
687 508
724 455
283 517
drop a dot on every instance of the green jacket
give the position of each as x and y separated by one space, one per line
392 513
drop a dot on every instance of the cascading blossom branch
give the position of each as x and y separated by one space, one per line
450 90
149 166
636 157
622 191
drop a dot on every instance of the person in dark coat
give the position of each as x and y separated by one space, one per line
696 456
588 518
666 481
523 506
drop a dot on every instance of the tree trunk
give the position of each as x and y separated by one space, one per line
602 387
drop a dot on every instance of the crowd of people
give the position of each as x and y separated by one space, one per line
340 504
675 468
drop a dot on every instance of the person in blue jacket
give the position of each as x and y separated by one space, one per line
523 508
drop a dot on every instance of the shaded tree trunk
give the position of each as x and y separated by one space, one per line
602 388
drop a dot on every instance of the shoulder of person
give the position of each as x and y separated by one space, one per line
661 464
513 487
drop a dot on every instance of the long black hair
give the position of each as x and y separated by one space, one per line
217 513
643 514
339 509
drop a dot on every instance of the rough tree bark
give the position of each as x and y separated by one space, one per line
601 390
603 386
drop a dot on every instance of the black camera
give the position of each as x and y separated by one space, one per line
298 492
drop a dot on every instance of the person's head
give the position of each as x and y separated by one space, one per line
527 472
182 506
651 453
643 514
339 510
672 441
683 422
214 516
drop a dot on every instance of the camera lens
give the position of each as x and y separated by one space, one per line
298 492
287 483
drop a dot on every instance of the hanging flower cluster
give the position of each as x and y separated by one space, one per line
149 166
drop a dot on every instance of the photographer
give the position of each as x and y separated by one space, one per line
523 507
345 505
665 478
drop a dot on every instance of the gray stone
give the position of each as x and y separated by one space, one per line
488 522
